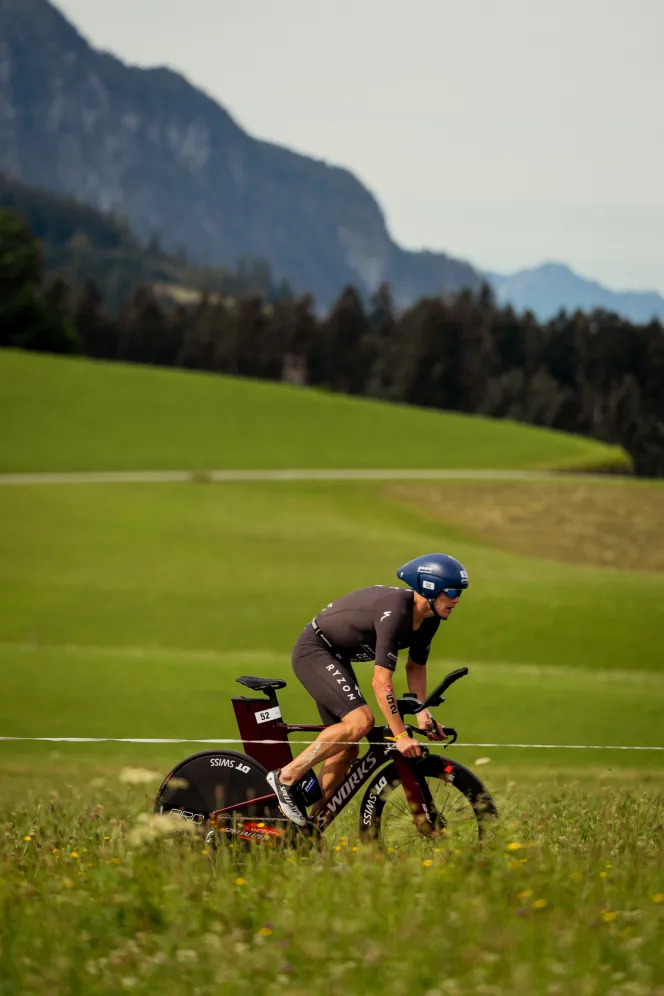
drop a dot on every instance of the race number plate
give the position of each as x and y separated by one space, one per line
265 715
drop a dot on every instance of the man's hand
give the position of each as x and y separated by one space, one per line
409 747
434 730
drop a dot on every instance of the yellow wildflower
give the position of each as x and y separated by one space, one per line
74 854
525 894
337 848
240 881
68 884
28 837
514 846
114 861
107 838
539 904
427 862
356 848
265 931
608 916
658 897
603 874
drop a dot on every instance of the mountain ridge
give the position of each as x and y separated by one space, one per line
151 146
551 287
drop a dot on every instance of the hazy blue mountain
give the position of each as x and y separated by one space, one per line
546 289
149 146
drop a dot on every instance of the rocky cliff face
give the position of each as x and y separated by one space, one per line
149 146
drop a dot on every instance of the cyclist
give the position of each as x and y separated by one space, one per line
370 624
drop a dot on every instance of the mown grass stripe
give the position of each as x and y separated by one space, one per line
230 476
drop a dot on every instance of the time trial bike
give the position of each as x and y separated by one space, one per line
430 799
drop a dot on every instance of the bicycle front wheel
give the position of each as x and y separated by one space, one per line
464 810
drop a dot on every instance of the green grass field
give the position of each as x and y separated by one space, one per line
174 589
128 610
73 414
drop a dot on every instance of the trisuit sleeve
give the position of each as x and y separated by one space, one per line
421 643
387 638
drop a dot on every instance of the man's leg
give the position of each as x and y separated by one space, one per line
333 773
333 686
331 742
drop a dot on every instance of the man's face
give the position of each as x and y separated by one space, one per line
444 605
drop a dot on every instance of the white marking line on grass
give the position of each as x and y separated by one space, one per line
350 474
175 740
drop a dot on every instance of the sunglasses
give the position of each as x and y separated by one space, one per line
452 592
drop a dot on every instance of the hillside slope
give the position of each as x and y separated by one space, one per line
81 243
72 414
148 145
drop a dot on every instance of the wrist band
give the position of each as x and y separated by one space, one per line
404 734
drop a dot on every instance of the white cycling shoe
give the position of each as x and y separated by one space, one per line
286 799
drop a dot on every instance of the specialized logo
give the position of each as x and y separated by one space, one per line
253 831
355 778
386 614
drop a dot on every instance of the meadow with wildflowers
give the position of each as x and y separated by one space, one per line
99 897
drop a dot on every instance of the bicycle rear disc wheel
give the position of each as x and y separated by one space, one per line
465 810
205 783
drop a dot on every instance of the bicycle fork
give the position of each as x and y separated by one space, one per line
418 795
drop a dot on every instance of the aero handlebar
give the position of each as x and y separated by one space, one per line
410 704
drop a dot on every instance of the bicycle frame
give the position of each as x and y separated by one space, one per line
265 738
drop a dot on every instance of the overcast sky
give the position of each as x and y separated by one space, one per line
507 132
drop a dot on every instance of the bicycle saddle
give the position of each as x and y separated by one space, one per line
258 684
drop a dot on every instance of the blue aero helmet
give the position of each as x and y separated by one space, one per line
432 573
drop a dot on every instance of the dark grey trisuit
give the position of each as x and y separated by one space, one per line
368 624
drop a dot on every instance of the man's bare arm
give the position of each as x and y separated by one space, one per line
387 702
416 676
